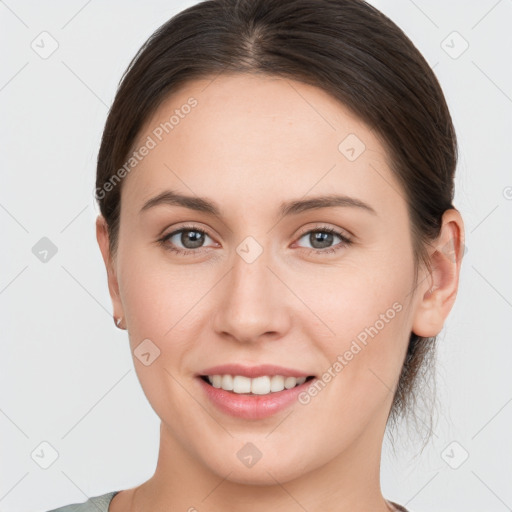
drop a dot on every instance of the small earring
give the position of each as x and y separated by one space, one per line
118 321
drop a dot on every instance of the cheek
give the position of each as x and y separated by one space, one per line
362 360
365 323
162 305
159 298
348 300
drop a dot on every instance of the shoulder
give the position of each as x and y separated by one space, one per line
94 504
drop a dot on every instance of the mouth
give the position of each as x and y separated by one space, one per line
253 392
256 386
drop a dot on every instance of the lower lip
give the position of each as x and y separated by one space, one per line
252 407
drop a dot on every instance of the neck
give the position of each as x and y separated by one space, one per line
348 482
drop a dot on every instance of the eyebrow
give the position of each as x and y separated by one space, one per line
200 204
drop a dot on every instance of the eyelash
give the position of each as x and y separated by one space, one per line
345 241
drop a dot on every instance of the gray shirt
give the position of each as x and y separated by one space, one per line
95 504
101 503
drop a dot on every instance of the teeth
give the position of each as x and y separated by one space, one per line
227 382
241 384
276 383
258 386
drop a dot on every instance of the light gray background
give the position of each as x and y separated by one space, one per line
67 377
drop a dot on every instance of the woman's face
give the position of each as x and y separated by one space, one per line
265 284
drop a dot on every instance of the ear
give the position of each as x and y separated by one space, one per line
437 291
102 237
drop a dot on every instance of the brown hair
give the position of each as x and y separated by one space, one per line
345 47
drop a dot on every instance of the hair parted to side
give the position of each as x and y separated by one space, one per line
345 47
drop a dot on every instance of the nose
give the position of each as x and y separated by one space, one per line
252 303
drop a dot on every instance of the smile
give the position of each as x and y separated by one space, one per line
263 385
252 392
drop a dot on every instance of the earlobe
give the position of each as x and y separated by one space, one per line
102 237
437 290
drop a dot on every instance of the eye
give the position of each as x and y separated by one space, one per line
191 238
322 238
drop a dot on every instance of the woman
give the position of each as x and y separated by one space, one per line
275 182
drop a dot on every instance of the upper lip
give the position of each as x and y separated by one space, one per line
253 371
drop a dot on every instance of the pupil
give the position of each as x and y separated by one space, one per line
325 238
192 239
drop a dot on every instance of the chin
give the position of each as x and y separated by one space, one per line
265 471
264 475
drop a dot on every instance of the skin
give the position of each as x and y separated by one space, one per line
251 143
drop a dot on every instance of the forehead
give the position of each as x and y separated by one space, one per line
243 133
230 102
